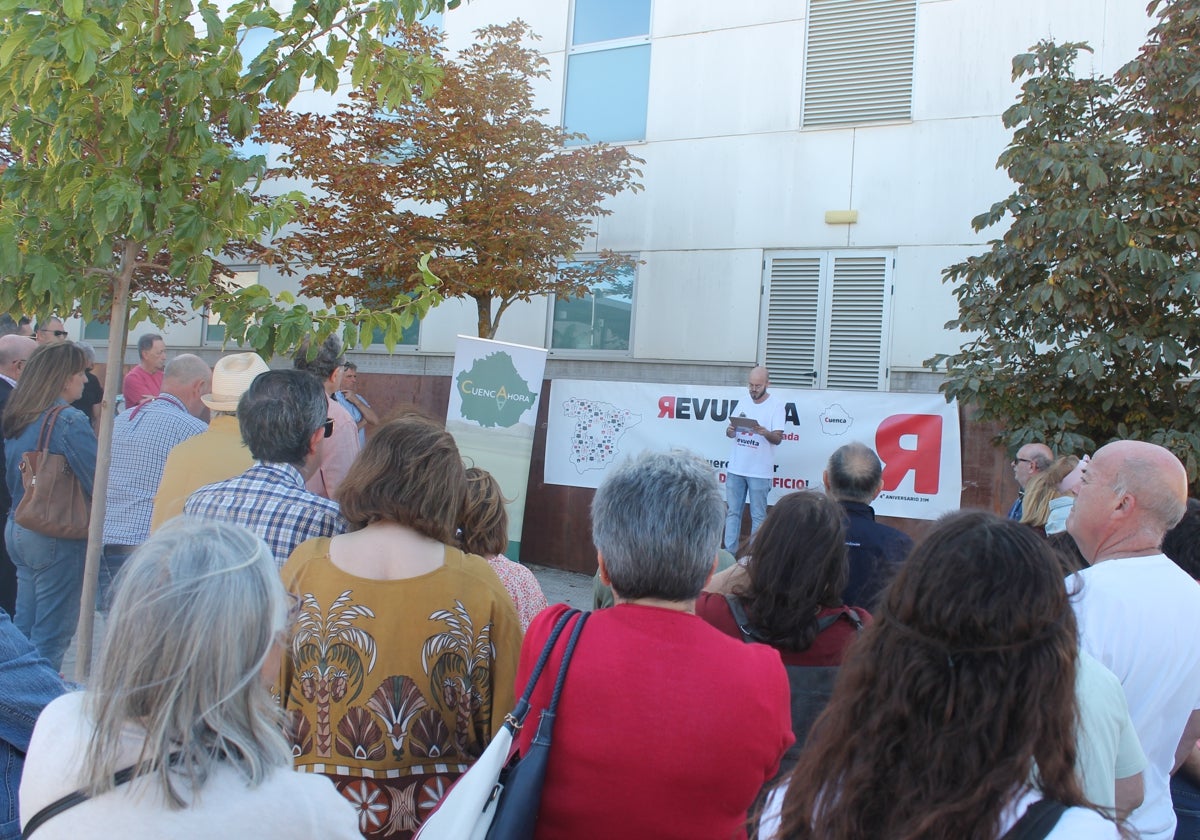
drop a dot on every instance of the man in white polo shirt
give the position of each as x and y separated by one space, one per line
1138 612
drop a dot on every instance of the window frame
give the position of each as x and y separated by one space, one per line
591 352
573 49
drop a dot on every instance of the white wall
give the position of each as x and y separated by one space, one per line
729 174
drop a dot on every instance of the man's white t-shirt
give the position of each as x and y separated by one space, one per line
753 455
1140 616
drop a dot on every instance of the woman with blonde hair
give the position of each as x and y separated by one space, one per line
405 648
49 569
483 530
1043 489
177 734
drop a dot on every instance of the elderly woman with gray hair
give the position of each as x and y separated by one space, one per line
666 727
177 735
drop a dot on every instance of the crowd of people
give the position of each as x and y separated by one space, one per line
286 594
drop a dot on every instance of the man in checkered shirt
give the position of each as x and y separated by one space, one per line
283 420
142 439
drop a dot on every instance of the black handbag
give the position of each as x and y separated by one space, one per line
521 780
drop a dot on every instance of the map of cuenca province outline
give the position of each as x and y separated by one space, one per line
598 428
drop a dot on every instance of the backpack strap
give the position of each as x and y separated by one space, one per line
749 634
846 613
74 798
1037 822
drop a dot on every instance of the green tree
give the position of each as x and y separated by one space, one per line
1083 316
123 190
472 174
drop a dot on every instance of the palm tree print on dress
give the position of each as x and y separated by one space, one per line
329 652
459 666
397 701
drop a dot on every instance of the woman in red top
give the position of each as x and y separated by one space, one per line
666 728
790 590
789 597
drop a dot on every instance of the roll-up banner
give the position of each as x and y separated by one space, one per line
492 411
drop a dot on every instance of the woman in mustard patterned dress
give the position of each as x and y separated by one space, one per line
403 655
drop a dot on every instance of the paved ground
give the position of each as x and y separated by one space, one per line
564 587
560 588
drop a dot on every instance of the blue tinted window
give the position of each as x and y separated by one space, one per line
607 20
600 320
607 93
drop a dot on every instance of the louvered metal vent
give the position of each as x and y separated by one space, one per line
856 323
827 318
859 61
793 316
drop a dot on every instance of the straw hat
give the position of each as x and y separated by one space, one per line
231 378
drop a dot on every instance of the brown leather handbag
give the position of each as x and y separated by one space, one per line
54 504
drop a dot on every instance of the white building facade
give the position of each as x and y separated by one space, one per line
811 167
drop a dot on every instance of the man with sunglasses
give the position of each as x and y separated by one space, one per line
1030 460
284 420
50 331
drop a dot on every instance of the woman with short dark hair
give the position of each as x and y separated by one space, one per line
404 652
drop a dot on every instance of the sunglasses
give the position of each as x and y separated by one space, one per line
328 426
56 333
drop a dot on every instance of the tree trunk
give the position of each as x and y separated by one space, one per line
483 308
118 331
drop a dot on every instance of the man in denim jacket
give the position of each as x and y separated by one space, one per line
27 684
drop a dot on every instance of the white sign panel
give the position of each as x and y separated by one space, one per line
492 410
593 425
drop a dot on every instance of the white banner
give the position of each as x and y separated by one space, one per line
493 407
595 424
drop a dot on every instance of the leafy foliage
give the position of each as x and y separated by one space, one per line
121 189
119 121
1083 316
471 174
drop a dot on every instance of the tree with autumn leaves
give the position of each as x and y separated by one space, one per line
1084 315
472 175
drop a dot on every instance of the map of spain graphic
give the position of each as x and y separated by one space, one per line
598 428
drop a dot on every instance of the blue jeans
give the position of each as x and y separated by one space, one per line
1185 796
49 584
27 684
737 487
112 559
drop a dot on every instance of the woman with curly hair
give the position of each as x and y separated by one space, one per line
956 713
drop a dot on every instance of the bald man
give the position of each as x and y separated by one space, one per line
756 431
1138 612
14 353
1031 459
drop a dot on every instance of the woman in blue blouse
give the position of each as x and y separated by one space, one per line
49 569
